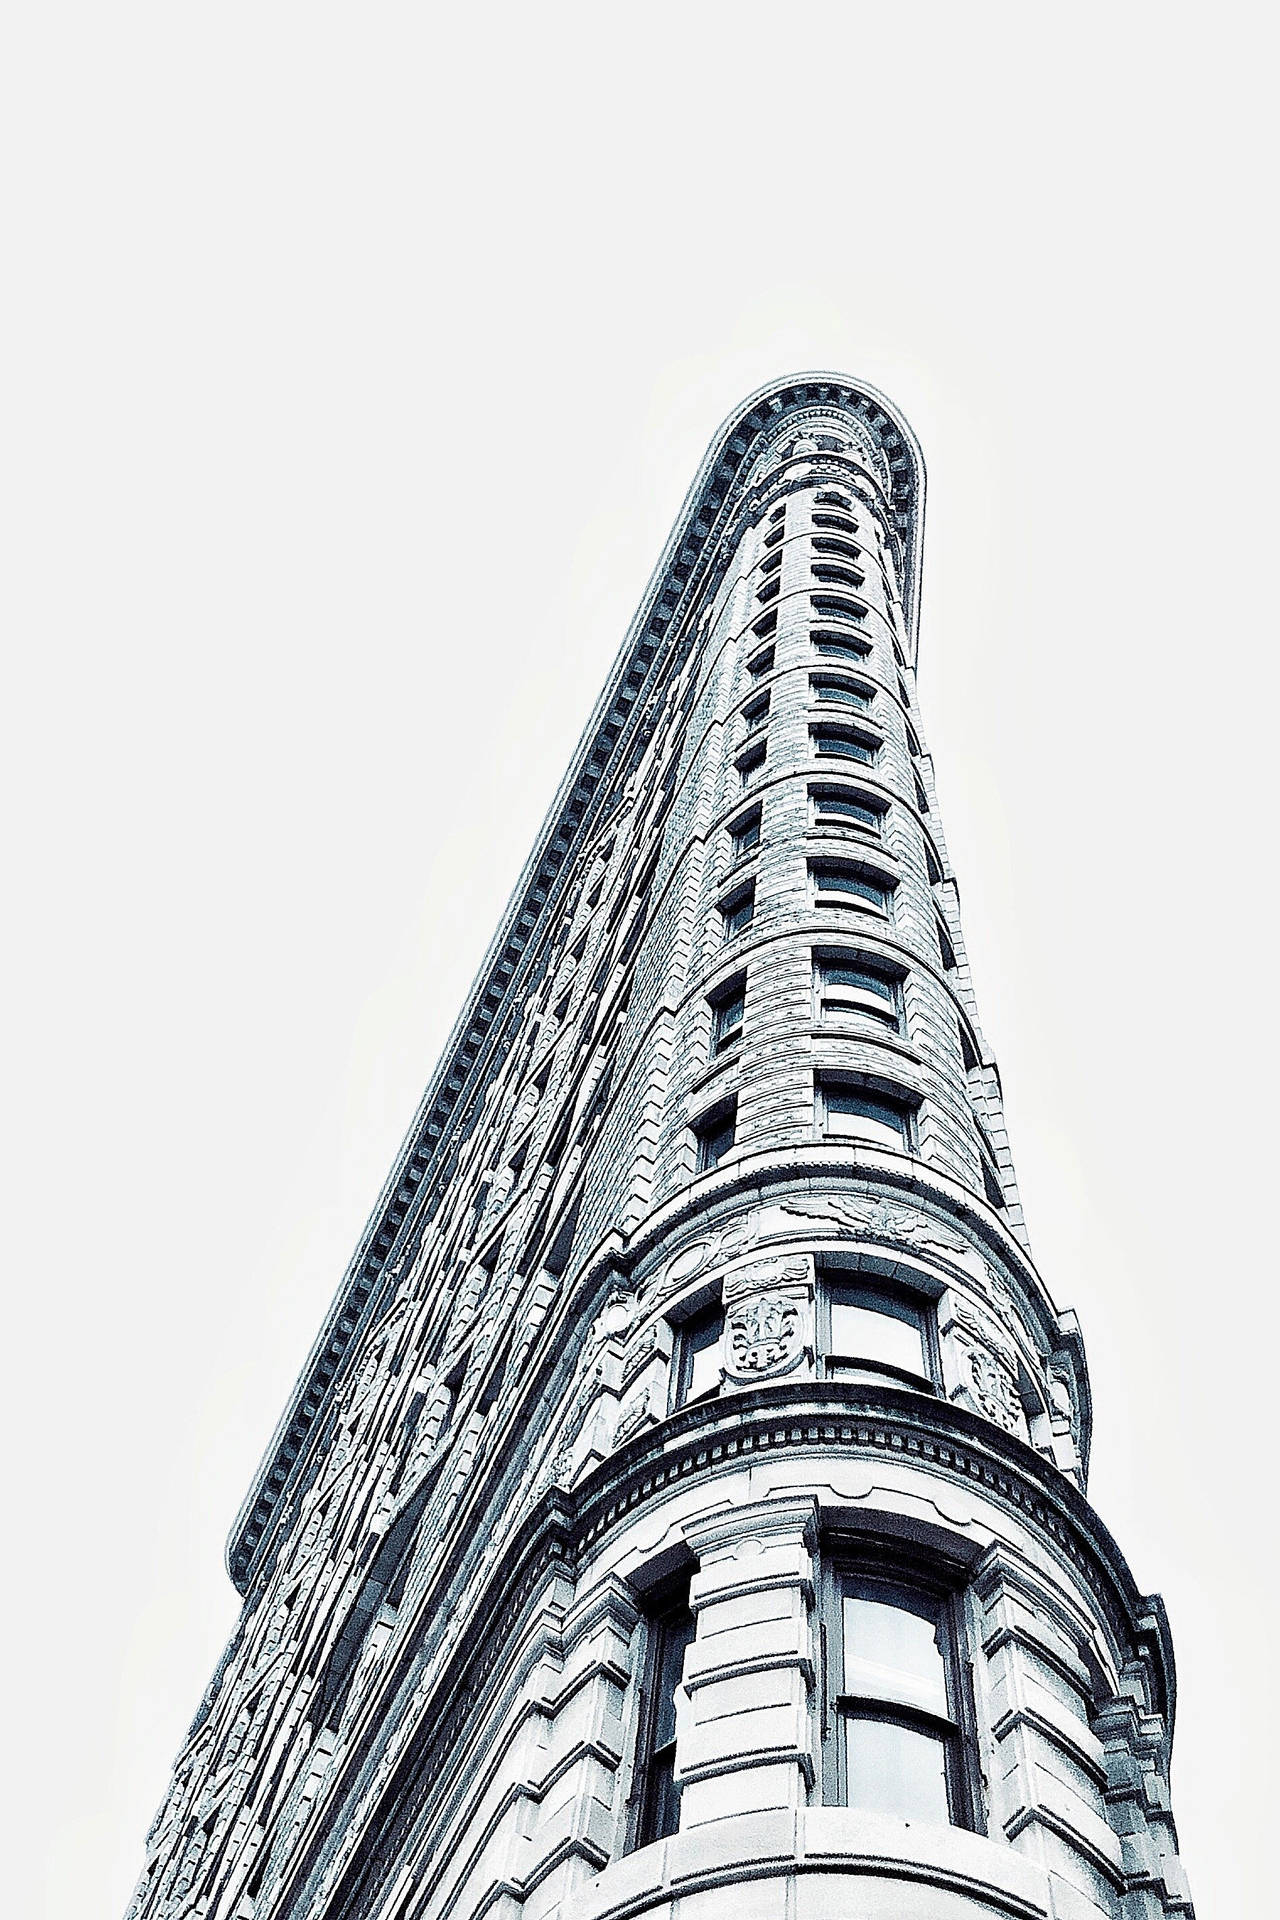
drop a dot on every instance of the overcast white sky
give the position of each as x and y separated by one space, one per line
355 364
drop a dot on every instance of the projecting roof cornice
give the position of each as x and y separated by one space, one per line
815 417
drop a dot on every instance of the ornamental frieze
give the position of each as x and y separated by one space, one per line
791 1270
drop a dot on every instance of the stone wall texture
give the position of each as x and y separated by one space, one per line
682 1513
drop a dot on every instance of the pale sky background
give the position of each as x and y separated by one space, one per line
356 360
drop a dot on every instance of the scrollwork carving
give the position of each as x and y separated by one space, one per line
763 1335
634 1415
994 1390
790 1270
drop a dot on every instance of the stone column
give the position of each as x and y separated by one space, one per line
745 1742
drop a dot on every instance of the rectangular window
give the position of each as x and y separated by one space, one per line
849 985
738 911
839 646
697 1358
896 1694
869 1328
850 1110
835 690
771 563
832 576
744 834
756 713
845 743
775 534
837 606
749 764
843 884
761 663
848 808
727 1009
714 1135
839 549
671 1629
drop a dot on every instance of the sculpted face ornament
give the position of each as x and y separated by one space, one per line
764 1335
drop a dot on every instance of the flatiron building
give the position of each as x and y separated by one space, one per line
682 1512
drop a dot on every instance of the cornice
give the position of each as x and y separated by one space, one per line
696 551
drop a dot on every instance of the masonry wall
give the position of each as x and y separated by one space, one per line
435 1702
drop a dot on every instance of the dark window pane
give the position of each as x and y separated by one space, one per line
845 646
728 1021
663 1810
738 913
846 746
848 880
843 807
714 1143
863 978
896 1769
843 693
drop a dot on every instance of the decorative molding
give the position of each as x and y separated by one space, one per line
764 1336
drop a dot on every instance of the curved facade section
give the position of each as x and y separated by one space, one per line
683 1511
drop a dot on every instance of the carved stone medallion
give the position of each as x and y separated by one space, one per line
994 1390
764 1335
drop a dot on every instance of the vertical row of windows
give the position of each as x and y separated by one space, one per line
771 565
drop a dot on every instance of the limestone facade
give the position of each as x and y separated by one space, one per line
682 1512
